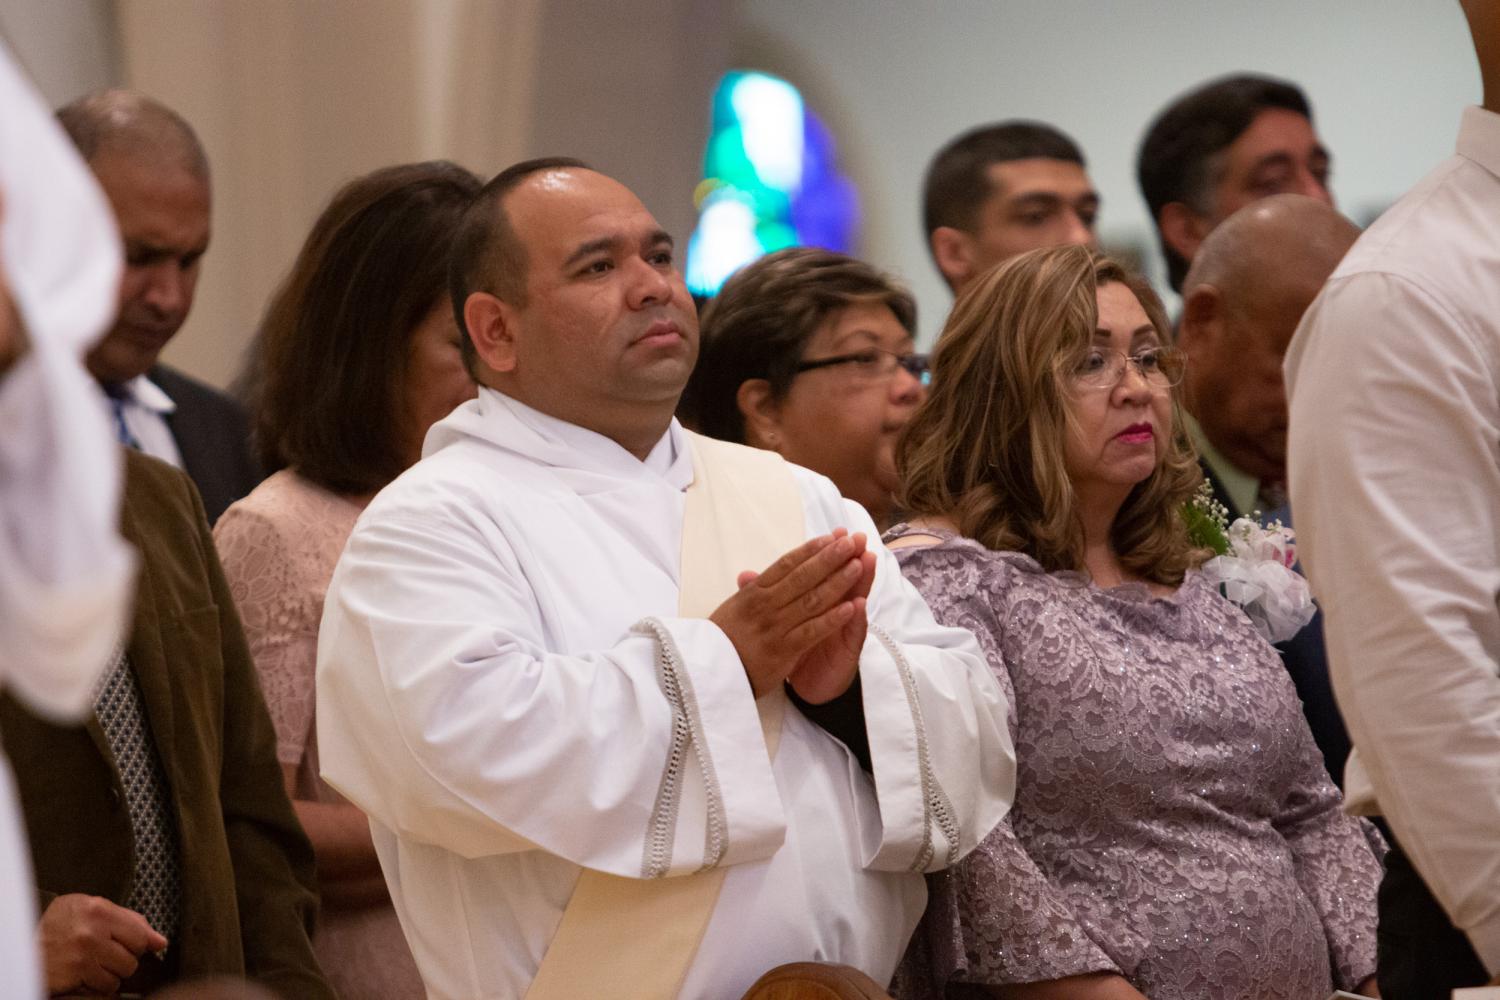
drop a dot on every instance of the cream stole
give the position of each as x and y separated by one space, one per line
635 938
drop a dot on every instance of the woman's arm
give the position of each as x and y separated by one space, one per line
1332 858
999 893
349 872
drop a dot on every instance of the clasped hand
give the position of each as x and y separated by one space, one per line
802 620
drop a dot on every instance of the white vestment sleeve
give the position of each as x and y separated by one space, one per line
1394 473
65 573
443 715
944 766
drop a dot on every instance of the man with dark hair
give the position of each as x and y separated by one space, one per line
486 255
155 174
571 662
1219 147
1000 190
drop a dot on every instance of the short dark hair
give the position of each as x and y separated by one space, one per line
328 386
1175 163
958 179
759 325
486 255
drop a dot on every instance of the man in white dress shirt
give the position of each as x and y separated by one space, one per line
65 573
1394 377
155 173
552 721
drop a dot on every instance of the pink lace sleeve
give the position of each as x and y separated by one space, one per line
280 609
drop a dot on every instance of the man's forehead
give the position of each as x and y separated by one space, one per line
1276 130
160 202
1039 175
566 206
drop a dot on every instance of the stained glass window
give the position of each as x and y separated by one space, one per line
769 181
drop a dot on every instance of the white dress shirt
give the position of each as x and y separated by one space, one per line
483 694
145 406
1394 377
65 574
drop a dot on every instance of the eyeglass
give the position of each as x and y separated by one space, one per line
1102 368
875 364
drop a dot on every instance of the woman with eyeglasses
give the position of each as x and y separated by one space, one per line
810 353
1174 833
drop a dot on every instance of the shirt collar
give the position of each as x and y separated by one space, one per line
516 427
146 394
1243 489
1479 138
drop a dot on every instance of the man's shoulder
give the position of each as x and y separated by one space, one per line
1436 239
755 464
465 474
191 393
157 491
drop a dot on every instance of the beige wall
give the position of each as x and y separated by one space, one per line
294 97
68 47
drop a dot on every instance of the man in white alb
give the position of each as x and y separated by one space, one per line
65 573
550 673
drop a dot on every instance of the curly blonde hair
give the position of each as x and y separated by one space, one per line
986 449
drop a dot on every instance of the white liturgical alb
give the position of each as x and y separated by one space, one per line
485 695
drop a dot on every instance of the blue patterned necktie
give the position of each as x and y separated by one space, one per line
156 891
116 395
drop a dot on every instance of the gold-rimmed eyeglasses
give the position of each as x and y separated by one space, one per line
1103 368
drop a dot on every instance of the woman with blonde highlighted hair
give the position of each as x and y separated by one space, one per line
1175 834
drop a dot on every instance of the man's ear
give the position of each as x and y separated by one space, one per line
953 250
492 328
762 415
1202 319
1182 229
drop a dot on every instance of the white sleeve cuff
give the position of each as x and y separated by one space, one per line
730 801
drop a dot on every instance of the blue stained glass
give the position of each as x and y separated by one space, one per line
770 181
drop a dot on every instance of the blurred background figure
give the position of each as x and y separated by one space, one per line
1174 824
1002 189
1251 281
811 354
65 573
1219 147
155 173
358 356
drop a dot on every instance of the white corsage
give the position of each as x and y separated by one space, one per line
1253 568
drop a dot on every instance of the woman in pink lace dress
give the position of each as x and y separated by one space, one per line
357 356
1174 834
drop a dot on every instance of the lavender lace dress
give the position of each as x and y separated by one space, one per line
1173 820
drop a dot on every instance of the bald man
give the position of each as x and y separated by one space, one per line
1251 281
155 174
1253 278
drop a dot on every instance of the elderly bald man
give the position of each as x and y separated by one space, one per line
155 173
1251 281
